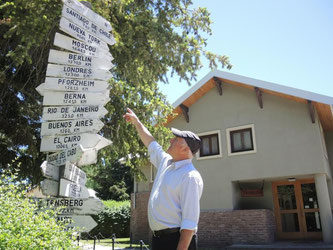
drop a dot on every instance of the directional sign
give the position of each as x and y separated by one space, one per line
74 45
76 206
50 171
73 190
81 34
91 15
75 98
61 57
57 143
75 17
77 72
85 223
71 127
49 187
73 173
76 155
73 112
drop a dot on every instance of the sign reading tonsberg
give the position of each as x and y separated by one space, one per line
75 90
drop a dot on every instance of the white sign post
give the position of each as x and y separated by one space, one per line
73 190
73 173
59 142
49 187
50 171
84 223
73 112
75 98
71 127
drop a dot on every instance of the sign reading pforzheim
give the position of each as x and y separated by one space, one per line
75 90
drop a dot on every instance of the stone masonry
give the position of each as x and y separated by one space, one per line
216 227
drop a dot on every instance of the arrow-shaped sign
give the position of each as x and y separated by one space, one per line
84 223
61 57
75 98
73 190
77 72
77 32
49 187
57 143
75 206
91 15
75 17
74 45
71 127
73 112
73 173
50 171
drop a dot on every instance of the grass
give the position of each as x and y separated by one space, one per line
120 242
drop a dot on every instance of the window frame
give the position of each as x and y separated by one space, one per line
208 133
244 127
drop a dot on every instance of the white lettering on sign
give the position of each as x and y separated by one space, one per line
78 19
73 112
57 143
79 33
74 45
61 57
86 12
77 72
75 98
71 127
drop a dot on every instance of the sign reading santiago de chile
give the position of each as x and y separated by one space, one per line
75 91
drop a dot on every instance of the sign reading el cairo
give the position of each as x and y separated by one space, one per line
74 93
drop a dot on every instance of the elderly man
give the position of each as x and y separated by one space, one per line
174 203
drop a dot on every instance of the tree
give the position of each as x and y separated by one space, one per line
153 37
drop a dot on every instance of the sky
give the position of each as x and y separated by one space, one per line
288 42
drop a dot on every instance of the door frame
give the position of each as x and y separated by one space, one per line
300 210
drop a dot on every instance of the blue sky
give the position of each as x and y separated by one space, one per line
288 42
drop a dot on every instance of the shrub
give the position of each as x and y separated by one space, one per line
113 219
21 227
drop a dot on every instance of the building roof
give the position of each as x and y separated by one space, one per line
322 103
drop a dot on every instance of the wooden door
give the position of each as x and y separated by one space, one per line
296 209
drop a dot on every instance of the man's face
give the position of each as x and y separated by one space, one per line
177 144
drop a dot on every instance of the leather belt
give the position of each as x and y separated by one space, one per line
167 231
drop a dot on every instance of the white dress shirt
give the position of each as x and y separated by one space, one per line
175 197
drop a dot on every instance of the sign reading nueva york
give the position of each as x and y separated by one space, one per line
83 22
57 143
73 112
86 12
77 72
71 127
74 45
75 98
61 57
79 33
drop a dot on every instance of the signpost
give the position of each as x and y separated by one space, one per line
50 171
84 223
71 127
74 45
49 187
59 142
73 190
62 57
73 112
73 173
75 98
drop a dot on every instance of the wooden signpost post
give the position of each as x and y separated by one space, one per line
75 91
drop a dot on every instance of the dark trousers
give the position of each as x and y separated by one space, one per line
170 242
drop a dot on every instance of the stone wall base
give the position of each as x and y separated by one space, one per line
216 227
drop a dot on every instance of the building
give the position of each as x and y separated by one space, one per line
266 161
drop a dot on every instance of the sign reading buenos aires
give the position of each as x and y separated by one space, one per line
71 127
61 57
74 45
73 112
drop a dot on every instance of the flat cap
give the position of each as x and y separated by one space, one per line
193 141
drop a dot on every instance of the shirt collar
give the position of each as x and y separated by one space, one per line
179 164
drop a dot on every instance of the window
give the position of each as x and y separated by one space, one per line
210 145
241 140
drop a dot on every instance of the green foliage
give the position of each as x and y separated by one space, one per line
153 37
21 227
113 219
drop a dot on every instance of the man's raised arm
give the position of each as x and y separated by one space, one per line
143 132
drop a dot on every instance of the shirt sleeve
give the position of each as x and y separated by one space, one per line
156 153
191 192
